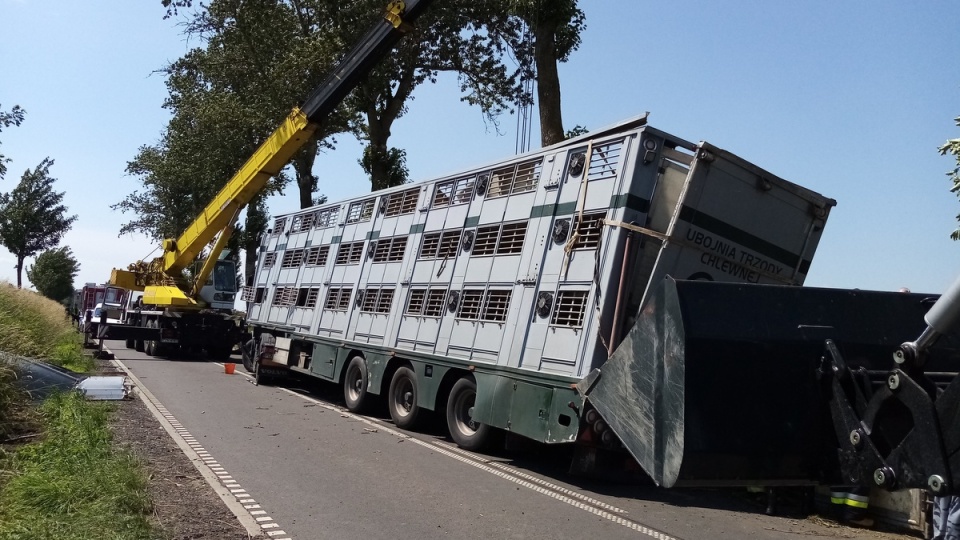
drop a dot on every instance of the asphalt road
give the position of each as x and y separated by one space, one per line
310 470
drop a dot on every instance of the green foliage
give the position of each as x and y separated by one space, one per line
577 131
453 36
540 34
73 484
12 118
53 273
952 147
70 356
32 216
393 161
16 415
37 327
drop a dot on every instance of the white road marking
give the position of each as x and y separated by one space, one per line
211 470
560 493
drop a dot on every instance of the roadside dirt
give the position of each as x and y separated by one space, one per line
184 505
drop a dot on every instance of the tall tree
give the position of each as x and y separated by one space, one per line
541 34
13 117
452 36
32 216
952 147
53 273
260 57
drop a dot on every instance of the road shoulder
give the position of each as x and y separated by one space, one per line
185 505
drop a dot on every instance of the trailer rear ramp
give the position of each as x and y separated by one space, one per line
722 383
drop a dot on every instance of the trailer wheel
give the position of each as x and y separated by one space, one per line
129 343
355 385
464 430
402 398
138 345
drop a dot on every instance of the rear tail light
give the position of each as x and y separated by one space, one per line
267 346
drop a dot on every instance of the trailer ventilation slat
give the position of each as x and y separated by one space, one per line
278 225
382 251
589 227
350 253
415 302
397 248
285 296
516 178
303 222
404 202
486 241
527 176
449 244
312 296
429 245
511 238
496 307
470 304
317 255
604 160
360 211
292 258
249 293
390 249
453 192
384 301
338 298
463 190
569 309
327 218
435 303
369 301
344 303
333 296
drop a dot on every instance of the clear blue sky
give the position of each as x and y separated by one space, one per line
850 99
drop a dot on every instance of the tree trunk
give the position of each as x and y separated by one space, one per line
250 262
378 133
548 84
303 165
255 225
20 271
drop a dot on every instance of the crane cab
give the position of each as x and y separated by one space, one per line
220 290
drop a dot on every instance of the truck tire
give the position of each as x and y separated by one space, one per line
402 398
464 431
259 377
152 346
129 343
138 345
246 354
355 385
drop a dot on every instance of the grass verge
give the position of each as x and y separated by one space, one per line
37 327
73 484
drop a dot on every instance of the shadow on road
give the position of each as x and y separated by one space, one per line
552 463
